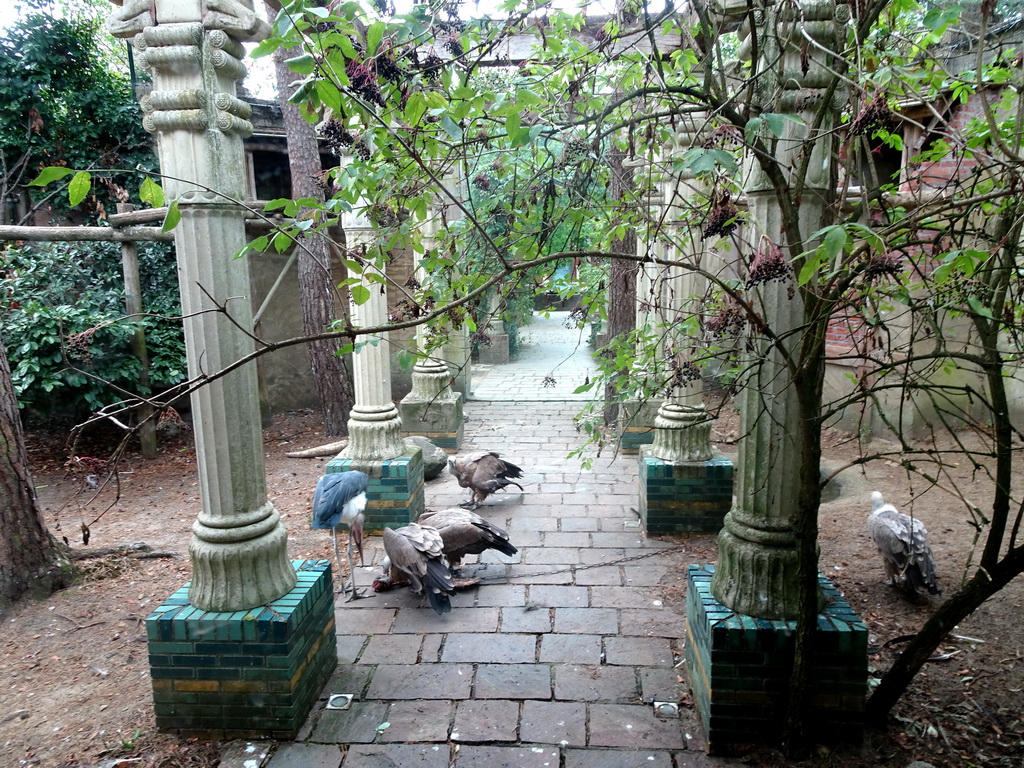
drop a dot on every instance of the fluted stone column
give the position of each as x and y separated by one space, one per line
756 573
432 409
374 426
194 51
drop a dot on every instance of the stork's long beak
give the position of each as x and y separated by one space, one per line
356 532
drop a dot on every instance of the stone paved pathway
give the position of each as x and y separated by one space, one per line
553 361
553 661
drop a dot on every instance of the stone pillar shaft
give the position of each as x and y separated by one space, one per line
194 50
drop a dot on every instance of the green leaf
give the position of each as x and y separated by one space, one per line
810 267
79 187
414 108
151 193
776 122
451 128
50 174
373 37
834 242
172 218
303 65
979 308
360 294
512 123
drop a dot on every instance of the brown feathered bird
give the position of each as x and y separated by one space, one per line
414 558
483 472
466 533
903 543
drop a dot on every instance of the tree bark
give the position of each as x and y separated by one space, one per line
621 278
331 379
31 562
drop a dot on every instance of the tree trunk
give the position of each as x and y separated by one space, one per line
621 279
31 563
316 286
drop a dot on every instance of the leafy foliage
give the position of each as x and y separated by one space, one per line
63 323
67 104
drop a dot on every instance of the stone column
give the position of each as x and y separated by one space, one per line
432 409
375 444
756 573
194 50
497 353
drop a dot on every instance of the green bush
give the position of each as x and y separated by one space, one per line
62 321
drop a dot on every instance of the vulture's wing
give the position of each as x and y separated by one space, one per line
892 537
416 551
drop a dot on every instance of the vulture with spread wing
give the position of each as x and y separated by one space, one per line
483 472
466 533
414 558
903 543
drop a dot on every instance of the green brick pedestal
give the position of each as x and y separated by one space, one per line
739 670
636 425
684 498
248 674
395 494
440 421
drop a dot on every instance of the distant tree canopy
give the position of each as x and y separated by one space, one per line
67 101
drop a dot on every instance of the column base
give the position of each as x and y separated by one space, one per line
636 425
395 494
439 420
739 668
247 674
497 353
692 497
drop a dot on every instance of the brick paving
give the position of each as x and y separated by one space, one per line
552 661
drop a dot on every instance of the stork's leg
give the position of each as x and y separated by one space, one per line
352 571
337 556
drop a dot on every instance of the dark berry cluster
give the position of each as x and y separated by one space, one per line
883 264
384 7
481 339
454 46
576 318
721 220
723 136
382 216
387 67
574 151
432 66
79 345
337 138
482 181
958 289
768 265
727 321
548 381
873 116
683 372
363 81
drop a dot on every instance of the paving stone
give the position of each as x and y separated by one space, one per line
349 648
578 524
610 556
392 649
392 755
554 722
660 684
530 524
512 681
355 725
570 649
587 621
486 720
295 755
558 596
566 538
348 678
638 651
428 720
647 575
465 620
517 619
617 539
611 685
624 597
421 681
660 622
470 756
365 621
550 555
430 651
603 575
539 574
617 758
633 726
490 648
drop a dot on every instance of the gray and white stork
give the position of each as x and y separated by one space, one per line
340 499
903 543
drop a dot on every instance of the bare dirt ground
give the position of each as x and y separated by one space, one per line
74 678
